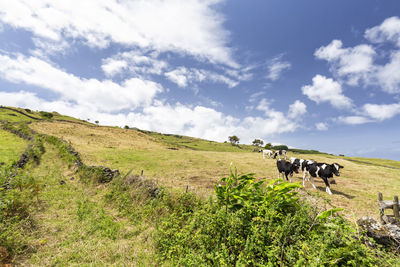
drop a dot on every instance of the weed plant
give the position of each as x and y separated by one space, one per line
18 191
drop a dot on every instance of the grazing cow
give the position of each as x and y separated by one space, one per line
280 153
286 168
269 153
324 171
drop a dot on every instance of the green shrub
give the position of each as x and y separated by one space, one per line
46 115
249 225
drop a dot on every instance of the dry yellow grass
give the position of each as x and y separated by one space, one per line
356 189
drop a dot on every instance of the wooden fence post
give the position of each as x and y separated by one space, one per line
381 211
396 208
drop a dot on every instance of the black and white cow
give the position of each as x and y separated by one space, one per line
286 168
303 165
324 171
269 153
280 153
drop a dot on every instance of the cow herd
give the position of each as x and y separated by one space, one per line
310 168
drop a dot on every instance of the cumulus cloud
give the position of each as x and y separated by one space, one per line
105 95
356 65
381 112
297 109
387 76
389 30
327 90
191 27
351 63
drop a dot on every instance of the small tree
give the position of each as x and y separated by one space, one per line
97 122
268 146
126 127
234 140
258 142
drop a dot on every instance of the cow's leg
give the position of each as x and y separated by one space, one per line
286 175
328 190
312 182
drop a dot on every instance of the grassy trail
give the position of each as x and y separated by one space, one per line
75 226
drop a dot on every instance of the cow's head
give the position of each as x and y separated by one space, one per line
295 167
336 167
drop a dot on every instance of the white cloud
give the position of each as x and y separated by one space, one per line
191 27
178 76
105 95
389 30
183 76
356 65
353 120
44 49
297 109
276 68
135 62
321 126
112 67
387 76
351 63
381 112
327 90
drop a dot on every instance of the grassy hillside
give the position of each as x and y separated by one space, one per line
11 147
13 114
356 189
180 141
65 217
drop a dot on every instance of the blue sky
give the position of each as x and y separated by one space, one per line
315 74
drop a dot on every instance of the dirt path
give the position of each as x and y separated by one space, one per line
75 226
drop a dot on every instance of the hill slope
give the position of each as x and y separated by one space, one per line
356 189
73 213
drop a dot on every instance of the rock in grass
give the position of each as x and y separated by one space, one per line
387 234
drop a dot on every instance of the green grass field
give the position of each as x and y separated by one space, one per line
11 147
356 189
76 224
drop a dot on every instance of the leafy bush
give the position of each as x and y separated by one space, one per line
254 225
46 115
